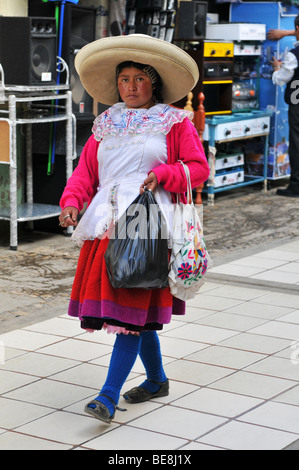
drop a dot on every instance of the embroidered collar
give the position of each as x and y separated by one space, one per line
118 121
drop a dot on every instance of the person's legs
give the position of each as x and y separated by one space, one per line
150 353
125 351
294 146
156 383
293 187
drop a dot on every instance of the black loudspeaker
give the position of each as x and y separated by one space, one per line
192 20
28 49
78 30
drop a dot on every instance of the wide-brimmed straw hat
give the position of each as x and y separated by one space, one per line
96 66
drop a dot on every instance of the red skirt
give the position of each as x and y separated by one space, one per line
97 304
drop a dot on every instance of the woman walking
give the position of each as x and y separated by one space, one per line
136 144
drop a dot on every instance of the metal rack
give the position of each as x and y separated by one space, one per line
61 110
236 127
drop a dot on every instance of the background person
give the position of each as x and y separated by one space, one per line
287 73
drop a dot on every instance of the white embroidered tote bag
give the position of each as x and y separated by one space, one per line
189 258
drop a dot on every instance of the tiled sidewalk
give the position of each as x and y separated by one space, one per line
233 364
280 264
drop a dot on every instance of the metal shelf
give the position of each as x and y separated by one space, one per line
247 182
59 108
28 212
216 133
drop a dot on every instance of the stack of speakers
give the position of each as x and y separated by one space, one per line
28 55
28 50
192 20
78 30
153 17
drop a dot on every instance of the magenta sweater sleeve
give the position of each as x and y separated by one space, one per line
82 185
183 143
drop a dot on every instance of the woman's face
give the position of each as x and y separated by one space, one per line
135 88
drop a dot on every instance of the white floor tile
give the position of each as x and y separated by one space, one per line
255 309
15 413
280 300
277 276
16 441
178 422
275 415
134 411
57 326
278 329
217 402
225 357
237 292
27 340
236 270
196 313
256 343
291 396
257 261
253 385
195 373
50 393
128 438
9 353
231 321
66 428
38 364
85 375
276 367
292 317
179 348
210 302
12 380
198 446
283 255
76 349
290 268
241 436
201 333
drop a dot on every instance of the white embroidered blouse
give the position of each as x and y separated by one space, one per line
132 142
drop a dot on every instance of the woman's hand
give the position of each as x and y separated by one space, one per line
68 217
150 182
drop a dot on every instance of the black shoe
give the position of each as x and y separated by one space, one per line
287 192
141 394
100 411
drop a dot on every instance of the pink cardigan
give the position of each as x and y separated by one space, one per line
182 143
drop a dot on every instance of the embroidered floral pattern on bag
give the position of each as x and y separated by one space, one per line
119 121
185 270
194 255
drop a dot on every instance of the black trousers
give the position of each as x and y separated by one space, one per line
294 146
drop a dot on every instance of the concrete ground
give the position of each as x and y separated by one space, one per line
232 361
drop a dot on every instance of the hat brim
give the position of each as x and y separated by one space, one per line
96 66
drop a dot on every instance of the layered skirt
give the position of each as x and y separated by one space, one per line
98 305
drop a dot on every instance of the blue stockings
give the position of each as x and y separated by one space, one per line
150 353
125 351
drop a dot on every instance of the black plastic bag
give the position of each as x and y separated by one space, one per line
137 254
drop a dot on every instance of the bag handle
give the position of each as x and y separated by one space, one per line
189 187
